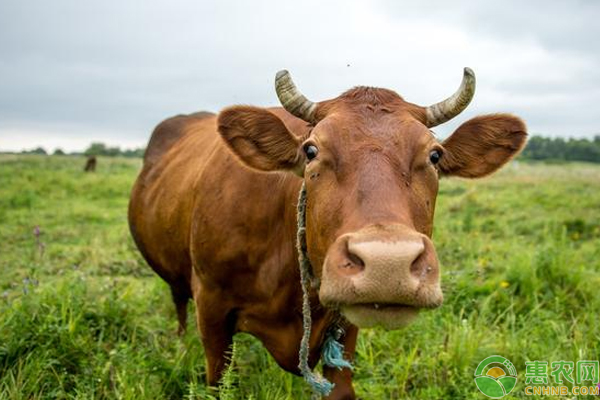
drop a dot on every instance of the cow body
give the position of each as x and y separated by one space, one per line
225 235
213 211
90 164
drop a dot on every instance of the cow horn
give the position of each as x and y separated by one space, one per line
291 99
443 111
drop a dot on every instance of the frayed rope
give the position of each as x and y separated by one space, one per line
332 349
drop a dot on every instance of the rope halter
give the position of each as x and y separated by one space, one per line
332 351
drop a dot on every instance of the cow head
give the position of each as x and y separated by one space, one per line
371 167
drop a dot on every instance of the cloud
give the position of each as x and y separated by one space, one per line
105 68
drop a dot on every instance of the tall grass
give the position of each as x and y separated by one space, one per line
82 316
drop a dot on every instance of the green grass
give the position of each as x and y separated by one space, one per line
82 316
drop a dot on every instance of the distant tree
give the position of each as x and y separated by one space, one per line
37 150
139 152
100 149
58 152
112 151
96 149
559 149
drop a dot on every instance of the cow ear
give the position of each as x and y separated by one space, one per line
260 139
482 145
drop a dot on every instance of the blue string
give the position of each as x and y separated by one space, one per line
333 353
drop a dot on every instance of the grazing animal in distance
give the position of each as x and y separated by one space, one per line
90 164
214 213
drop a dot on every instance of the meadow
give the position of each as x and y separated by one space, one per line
83 317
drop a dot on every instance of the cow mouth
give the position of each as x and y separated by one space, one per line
388 316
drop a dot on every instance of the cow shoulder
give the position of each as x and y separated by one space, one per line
168 132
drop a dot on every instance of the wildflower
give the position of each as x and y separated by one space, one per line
41 246
504 284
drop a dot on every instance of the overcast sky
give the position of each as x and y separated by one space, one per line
75 71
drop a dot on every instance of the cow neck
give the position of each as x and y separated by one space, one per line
332 350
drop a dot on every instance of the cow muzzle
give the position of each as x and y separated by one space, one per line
381 275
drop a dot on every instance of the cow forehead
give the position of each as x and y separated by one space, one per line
348 132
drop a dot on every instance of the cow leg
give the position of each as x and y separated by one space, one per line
217 338
217 343
180 298
343 378
216 325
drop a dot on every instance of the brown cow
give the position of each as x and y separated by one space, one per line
90 164
214 213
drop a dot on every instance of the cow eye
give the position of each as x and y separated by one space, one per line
435 156
311 151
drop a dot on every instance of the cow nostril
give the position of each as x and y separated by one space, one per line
356 260
419 266
424 266
425 271
350 264
353 260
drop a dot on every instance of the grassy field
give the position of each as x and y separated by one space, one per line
82 316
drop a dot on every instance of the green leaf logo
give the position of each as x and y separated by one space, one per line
495 377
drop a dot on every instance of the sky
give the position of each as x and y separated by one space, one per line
73 72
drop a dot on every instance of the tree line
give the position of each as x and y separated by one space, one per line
560 149
94 149
537 148
100 149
